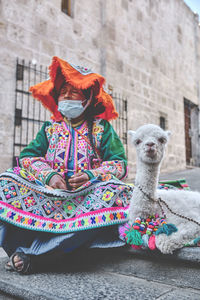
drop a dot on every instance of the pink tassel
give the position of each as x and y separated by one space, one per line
136 247
122 230
152 242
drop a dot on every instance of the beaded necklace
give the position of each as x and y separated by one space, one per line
161 201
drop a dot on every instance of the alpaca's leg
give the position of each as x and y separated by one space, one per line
131 216
185 234
167 244
134 210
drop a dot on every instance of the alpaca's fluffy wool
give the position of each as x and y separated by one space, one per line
150 142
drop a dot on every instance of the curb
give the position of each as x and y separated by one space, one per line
188 254
20 292
17 286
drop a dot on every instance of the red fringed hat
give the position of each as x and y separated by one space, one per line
79 77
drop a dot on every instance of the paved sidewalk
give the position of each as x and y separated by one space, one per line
113 273
107 274
192 176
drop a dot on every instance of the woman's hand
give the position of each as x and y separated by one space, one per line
57 182
77 180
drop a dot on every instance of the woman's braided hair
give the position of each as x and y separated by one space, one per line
92 110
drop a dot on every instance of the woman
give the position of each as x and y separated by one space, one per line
67 191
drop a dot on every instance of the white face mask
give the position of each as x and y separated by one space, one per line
71 108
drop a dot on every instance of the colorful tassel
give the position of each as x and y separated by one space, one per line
145 240
152 242
136 247
197 241
134 237
122 230
141 234
167 229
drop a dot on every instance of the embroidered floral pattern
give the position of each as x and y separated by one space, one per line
10 192
23 190
96 205
37 212
79 212
29 201
119 202
58 216
88 202
79 199
48 208
26 162
30 177
82 144
3 183
62 143
107 196
16 204
58 203
106 177
69 207
41 197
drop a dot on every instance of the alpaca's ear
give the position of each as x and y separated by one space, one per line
132 135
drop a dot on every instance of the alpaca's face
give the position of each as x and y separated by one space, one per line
150 141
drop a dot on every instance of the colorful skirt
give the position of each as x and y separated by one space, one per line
42 219
25 202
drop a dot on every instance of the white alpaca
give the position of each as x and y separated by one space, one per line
150 141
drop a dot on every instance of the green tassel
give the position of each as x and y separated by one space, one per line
196 241
167 229
134 237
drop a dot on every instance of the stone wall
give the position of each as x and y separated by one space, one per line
36 30
156 64
147 49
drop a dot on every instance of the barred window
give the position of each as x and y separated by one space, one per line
163 122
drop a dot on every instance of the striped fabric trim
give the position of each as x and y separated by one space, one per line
91 220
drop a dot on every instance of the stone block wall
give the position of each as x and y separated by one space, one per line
147 49
154 59
36 30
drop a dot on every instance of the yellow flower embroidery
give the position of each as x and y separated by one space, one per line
107 196
16 204
23 190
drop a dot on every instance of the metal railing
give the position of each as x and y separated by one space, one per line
29 114
121 124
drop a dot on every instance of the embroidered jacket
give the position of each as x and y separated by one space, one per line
56 145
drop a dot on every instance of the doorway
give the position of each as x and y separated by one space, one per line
191 113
